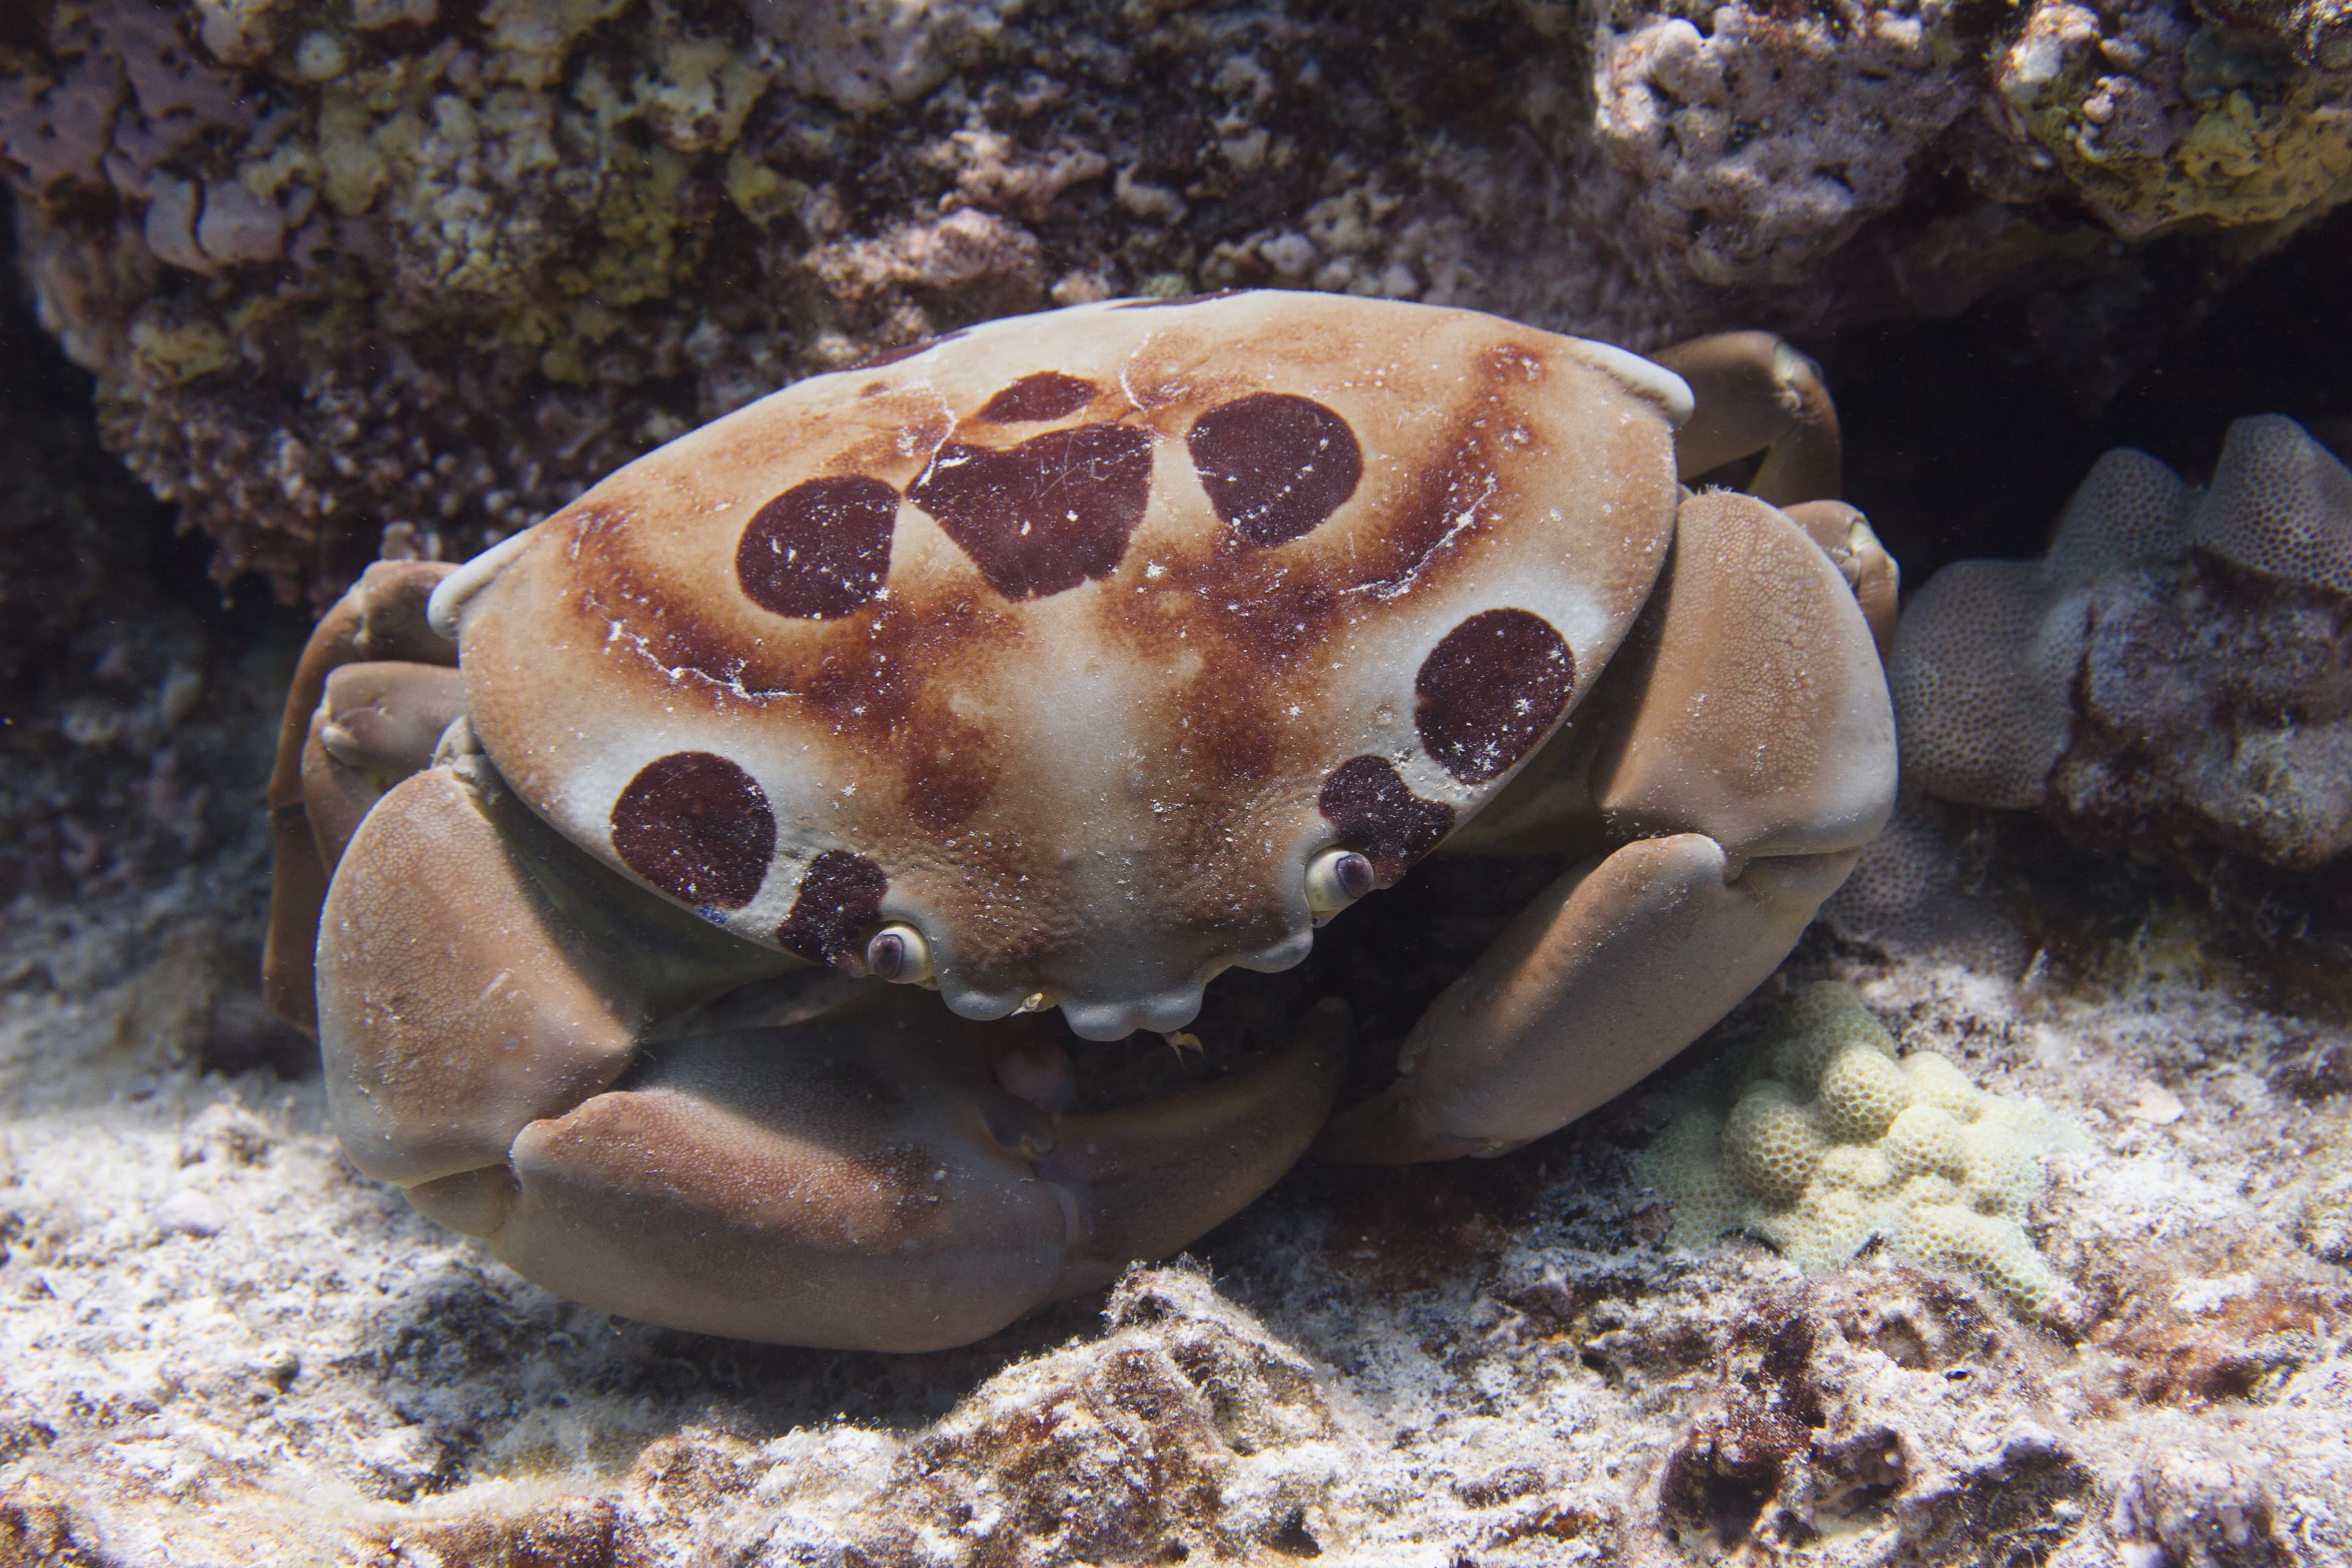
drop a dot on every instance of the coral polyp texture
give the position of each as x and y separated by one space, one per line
1821 1137
2174 675
402 276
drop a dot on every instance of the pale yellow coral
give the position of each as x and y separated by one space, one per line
1862 1091
1816 1026
1772 1140
1830 1139
1936 1081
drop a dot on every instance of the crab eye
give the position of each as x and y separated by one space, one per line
899 953
1336 878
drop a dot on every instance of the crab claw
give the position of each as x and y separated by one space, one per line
505 1030
861 1182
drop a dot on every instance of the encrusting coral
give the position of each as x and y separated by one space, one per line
2177 669
1820 1136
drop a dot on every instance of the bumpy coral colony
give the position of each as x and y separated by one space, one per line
2174 668
1830 1139
1062 663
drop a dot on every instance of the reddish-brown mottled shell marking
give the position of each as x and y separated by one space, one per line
1490 691
1048 394
1046 515
821 549
839 898
1275 466
697 828
1132 662
1375 811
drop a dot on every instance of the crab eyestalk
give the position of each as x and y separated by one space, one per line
1336 878
898 952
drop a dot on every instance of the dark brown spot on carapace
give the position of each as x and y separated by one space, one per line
1048 394
840 894
697 827
1275 466
819 550
1491 691
1046 515
1375 811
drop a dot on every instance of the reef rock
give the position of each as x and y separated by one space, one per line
126 720
2157 114
2175 674
399 277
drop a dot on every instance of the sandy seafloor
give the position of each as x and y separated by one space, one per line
219 1345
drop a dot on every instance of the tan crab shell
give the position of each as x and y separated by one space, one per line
1071 639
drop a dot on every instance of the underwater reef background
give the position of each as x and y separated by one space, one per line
432 267
294 284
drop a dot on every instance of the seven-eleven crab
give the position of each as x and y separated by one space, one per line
1062 662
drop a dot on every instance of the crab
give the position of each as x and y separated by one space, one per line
674 887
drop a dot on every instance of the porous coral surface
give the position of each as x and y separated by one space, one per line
1821 1137
2173 676
403 276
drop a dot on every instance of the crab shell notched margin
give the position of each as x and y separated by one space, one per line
1071 639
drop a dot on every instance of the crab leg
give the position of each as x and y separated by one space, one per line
508 1034
378 722
1754 392
1752 756
1845 537
382 618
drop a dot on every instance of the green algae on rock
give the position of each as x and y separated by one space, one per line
2158 115
1820 1136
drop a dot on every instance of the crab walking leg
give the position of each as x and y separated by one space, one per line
1753 757
381 617
1752 392
1846 538
493 1009
379 722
